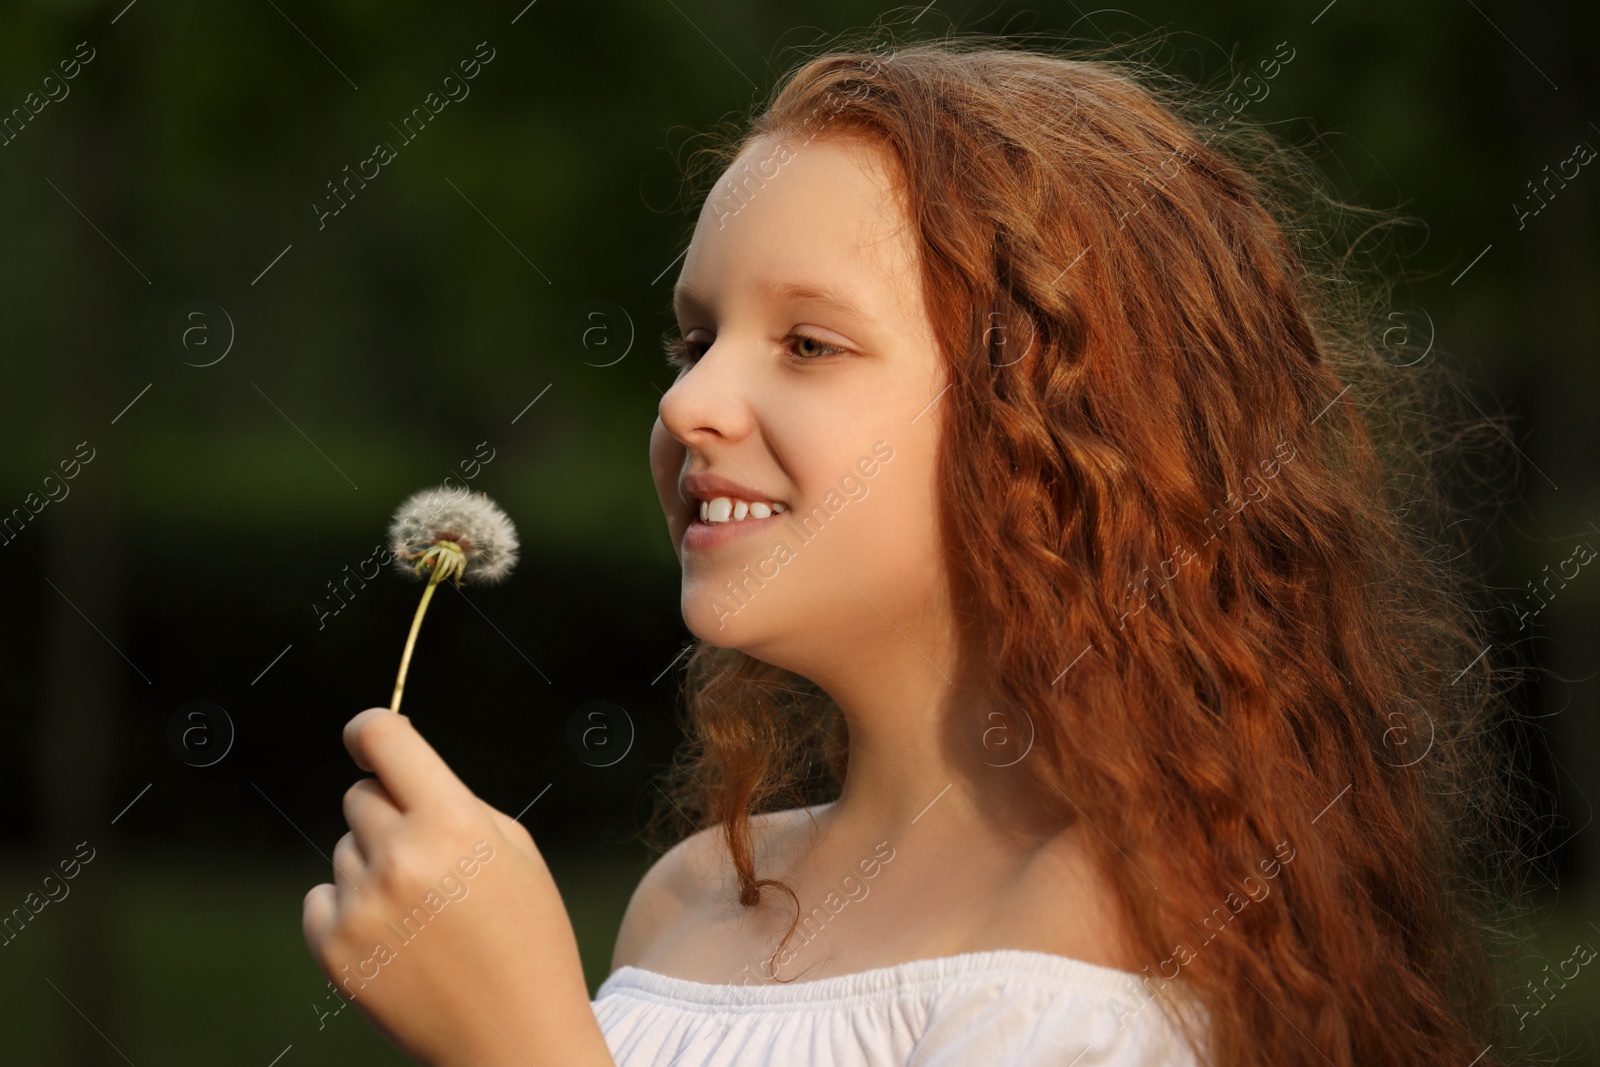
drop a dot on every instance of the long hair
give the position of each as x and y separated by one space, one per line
1193 492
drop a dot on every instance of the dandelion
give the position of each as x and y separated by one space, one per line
448 533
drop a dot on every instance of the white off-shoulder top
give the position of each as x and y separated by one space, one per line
1000 1008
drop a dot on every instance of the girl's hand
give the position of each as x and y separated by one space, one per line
443 924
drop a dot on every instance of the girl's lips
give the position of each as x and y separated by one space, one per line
703 536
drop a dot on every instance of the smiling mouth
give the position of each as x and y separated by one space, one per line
706 534
728 511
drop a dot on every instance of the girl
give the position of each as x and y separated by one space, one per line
1050 522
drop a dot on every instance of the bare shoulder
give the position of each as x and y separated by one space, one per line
1062 902
663 896
681 882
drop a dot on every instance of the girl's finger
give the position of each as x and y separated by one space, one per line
416 776
349 866
317 916
371 814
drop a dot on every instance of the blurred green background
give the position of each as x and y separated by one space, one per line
262 381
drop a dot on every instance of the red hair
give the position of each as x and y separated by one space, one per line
1196 467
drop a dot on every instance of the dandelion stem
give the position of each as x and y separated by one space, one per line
411 640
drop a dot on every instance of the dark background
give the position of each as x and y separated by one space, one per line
517 253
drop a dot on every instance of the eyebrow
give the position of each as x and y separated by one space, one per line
832 299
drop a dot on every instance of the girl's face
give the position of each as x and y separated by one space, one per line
812 382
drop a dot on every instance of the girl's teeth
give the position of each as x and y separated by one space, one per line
726 509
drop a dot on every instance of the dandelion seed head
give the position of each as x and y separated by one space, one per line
484 533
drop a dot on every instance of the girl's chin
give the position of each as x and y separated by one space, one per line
715 621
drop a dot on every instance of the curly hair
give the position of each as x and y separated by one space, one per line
1202 529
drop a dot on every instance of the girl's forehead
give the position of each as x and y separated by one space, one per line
825 207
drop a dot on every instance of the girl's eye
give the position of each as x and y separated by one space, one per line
681 353
803 348
799 339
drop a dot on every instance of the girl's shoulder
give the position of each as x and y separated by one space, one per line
678 883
